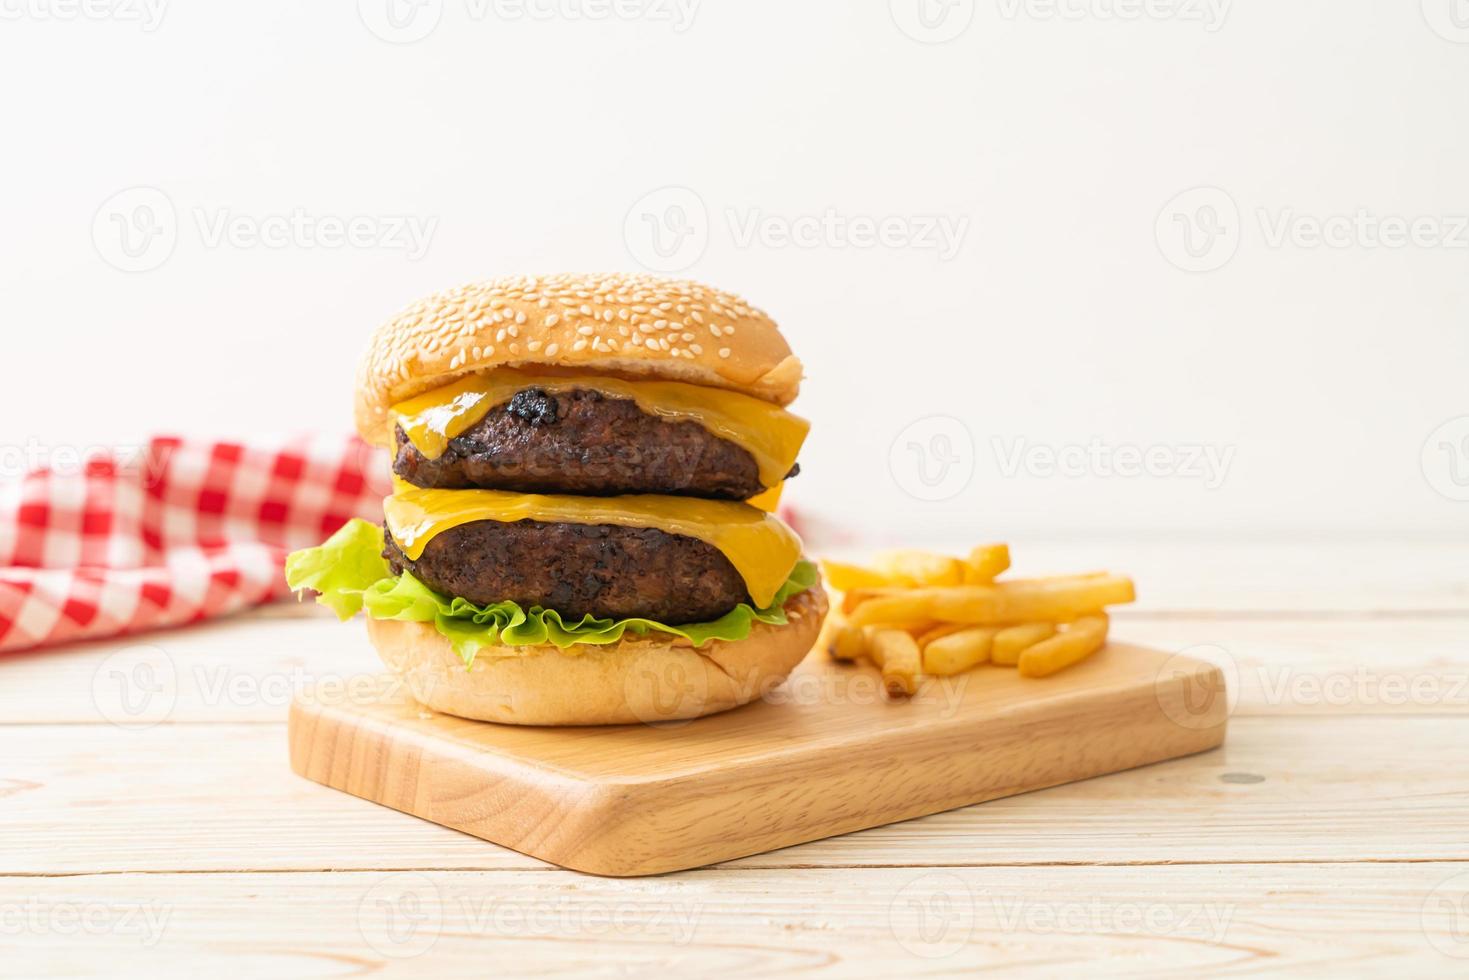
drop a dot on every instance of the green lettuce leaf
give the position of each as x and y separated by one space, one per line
350 574
342 568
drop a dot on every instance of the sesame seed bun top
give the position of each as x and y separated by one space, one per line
630 325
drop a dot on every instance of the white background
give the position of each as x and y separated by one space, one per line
1055 137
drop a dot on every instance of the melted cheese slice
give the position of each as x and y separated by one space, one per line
771 435
760 547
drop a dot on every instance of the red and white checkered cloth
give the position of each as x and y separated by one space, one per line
172 532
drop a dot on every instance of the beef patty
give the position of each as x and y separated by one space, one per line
602 569
578 442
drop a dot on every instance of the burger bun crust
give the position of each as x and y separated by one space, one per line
647 679
628 325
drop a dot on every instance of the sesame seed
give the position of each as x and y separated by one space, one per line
426 336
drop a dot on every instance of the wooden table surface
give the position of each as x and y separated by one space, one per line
151 823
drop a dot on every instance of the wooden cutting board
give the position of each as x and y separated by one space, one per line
825 755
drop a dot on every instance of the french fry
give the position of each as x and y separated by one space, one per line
894 608
958 651
985 562
920 568
932 631
1011 640
847 643
1057 600
851 600
845 577
896 653
1080 640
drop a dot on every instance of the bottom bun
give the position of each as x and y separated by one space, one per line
641 679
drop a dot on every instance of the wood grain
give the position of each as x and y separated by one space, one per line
825 754
1346 789
1321 920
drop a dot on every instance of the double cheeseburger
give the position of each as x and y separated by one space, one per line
581 528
